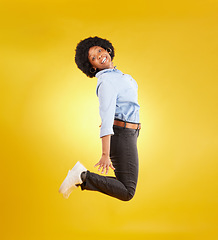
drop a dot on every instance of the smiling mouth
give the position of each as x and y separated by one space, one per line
104 59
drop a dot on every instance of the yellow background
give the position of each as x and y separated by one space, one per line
49 118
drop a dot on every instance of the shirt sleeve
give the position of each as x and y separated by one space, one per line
107 96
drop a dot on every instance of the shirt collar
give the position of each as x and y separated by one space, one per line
98 74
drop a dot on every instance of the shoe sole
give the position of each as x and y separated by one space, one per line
69 183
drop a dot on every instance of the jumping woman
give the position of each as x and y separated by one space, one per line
119 112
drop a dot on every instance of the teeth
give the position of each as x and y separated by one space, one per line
103 60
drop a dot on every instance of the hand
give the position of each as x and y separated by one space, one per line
104 163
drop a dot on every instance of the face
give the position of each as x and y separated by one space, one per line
99 58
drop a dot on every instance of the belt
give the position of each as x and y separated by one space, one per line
127 125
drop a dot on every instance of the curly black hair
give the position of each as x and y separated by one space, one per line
82 49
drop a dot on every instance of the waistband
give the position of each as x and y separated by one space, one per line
123 124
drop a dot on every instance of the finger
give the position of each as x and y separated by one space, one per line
112 167
103 170
107 169
97 164
99 167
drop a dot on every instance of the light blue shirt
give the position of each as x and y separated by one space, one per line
118 98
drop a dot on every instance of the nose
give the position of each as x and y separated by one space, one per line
99 55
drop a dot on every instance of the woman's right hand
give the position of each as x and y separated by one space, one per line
105 161
104 164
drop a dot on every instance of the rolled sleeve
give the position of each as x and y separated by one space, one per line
107 95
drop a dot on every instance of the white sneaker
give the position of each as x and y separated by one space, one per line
73 177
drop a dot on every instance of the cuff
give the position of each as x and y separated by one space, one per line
106 131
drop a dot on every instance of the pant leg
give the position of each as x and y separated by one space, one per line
124 156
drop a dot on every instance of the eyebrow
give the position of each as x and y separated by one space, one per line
94 49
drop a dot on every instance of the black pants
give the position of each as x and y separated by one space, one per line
124 156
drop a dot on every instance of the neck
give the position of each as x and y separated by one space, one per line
111 66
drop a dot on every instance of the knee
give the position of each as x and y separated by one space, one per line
129 196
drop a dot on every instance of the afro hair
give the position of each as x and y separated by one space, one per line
82 49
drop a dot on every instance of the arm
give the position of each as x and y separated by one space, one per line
107 96
105 161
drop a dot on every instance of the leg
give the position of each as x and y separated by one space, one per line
124 157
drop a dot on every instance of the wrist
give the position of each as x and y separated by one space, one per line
105 154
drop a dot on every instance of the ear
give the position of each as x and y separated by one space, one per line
109 50
92 70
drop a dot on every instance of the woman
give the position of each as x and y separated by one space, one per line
119 111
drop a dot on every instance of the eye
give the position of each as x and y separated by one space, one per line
93 58
99 50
